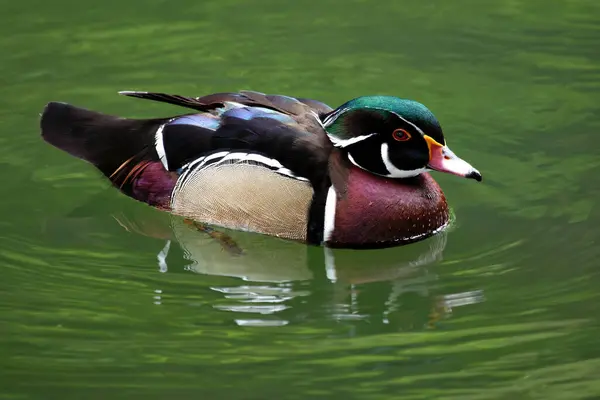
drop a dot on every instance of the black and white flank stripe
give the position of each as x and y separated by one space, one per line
220 158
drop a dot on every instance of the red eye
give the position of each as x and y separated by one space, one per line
401 135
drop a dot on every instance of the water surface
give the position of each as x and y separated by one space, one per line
103 297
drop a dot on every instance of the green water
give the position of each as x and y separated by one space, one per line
504 306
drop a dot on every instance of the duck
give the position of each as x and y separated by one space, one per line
357 176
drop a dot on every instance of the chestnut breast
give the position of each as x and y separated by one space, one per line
379 212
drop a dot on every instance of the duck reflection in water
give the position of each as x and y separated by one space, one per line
375 289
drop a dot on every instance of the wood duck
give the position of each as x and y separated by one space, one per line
355 176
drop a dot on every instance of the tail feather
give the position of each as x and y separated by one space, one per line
106 141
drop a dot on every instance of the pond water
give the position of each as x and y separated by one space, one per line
104 297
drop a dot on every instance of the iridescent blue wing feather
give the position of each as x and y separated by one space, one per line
305 112
274 135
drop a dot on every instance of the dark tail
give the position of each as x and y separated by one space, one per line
106 141
123 149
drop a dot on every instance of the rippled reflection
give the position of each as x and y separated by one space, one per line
276 275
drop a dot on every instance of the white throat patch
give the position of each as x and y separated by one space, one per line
393 171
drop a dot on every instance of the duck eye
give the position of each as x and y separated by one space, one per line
401 135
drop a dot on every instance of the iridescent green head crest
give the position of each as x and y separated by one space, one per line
392 137
385 107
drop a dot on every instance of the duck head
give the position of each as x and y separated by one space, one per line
394 138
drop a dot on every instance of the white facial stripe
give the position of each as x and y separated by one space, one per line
410 123
347 142
354 162
399 116
159 145
332 117
317 118
393 171
329 220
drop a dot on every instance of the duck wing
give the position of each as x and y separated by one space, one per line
226 142
301 115
118 145
307 112
242 130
